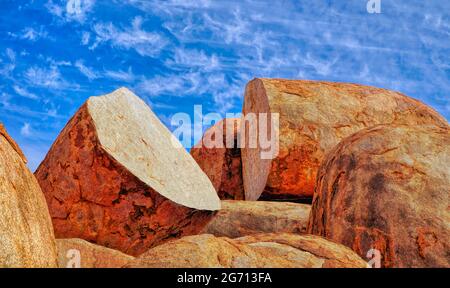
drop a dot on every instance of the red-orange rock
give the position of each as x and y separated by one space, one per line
313 118
220 158
388 188
114 177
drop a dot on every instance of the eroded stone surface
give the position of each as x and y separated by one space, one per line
242 218
314 117
222 164
388 188
26 232
94 193
258 251
12 143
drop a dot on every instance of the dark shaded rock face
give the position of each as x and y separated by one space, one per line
222 164
388 188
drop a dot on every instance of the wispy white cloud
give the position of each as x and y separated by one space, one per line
26 130
169 6
31 34
322 67
158 85
224 93
85 37
25 93
186 58
57 63
226 99
72 10
46 77
6 68
135 37
55 9
86 71
124 76
5 99
21 112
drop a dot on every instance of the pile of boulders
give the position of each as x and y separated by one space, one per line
358 173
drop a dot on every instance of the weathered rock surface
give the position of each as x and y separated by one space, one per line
12 143
313 118
220 158
388 188
114 177
242 218
26 232
90 255
258 251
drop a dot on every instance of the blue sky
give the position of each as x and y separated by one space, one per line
178 53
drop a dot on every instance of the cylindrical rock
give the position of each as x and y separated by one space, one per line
313 118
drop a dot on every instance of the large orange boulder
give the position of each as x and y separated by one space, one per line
256 251
313 118
219 156
387 188
117 177
242 218
26 232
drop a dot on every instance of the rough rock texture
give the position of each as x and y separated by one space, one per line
114 177
222 164
313 118
26 232
242 218
91 255
388 188
258 251
12 143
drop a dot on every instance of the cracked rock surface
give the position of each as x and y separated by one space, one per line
388 188
114 177
257 251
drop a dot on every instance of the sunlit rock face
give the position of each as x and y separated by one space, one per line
313 117
257 251
114 177
26 232
387 188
